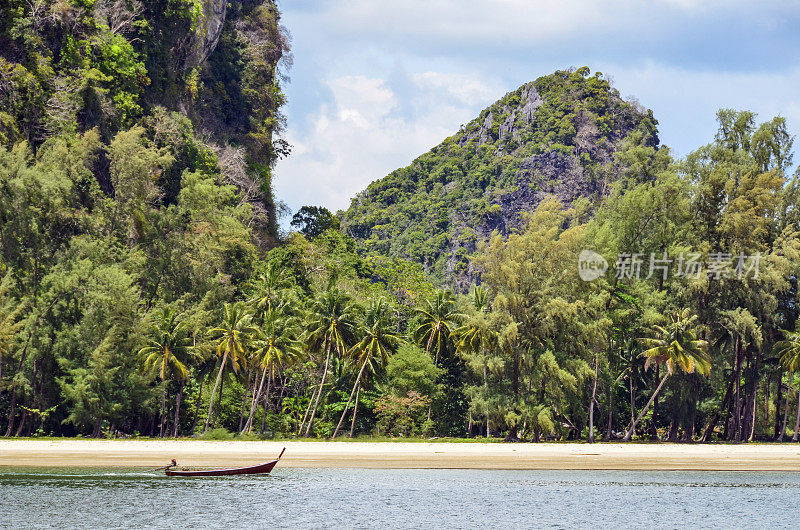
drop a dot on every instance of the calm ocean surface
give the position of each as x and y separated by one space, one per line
363 498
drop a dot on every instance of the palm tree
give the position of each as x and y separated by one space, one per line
206 363
167 353
275 346
233 338
476 338
373 351
678 347
331 329
737 330
438 319
789 350
270 289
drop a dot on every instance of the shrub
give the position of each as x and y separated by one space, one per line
220 433
402 416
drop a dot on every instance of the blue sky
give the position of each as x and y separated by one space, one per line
376 83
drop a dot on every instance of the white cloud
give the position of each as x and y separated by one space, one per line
361 101
463 88
360 136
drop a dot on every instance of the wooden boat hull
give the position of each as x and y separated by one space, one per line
252 470
260 469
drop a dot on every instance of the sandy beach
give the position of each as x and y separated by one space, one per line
152 453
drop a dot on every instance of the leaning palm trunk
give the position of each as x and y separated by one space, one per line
251 382
785 412
197 404
163 409
737 400
319 392
610 420
767 388
270 377
628 434
486 390
308 411
633 401
752 427
265 396
355 412
214 392
218 406
591 403
753 395
176 420
350 400
436 364
797 422
256 397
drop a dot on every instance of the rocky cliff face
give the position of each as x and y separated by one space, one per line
68 67
210 21
556 136
219 65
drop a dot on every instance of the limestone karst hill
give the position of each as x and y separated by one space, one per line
558 135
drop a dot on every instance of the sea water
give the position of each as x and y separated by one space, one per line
416 498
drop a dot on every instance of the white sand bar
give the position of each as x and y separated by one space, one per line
152 453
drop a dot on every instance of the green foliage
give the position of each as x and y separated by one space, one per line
312 221
678 346
70 67
401 415
438 319
436 210
412 369
218 433
789 351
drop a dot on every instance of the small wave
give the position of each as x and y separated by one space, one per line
133 474
109 474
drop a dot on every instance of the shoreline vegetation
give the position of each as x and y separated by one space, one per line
318 338
549 272
421 454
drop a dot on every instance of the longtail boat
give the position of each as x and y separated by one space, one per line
251 470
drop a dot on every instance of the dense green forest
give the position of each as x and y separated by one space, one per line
147 291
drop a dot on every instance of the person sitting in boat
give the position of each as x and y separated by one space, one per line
172 464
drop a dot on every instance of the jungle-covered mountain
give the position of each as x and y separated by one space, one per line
558 135
200 77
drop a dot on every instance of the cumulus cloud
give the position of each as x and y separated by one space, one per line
361 135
